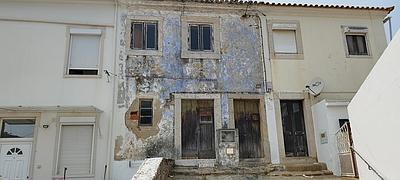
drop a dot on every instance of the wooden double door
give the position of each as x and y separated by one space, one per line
197 130
294 131
247 121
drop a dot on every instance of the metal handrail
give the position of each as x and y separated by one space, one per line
369 165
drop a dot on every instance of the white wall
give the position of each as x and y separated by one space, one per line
375 116
33 46
326 115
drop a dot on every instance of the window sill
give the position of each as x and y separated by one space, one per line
359 56
82 76
74 176
145 125
134 52
200 55
288 56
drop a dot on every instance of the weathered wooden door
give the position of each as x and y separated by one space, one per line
294 131
198 129
247 121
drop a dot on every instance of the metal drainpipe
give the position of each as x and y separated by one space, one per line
268 96
389 19
115 81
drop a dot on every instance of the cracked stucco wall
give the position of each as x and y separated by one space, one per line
238 70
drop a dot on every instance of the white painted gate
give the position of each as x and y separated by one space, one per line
14 160
346 156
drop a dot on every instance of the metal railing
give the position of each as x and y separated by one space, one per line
366 162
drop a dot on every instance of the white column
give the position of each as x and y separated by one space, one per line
269 99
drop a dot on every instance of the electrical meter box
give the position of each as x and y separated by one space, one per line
228 147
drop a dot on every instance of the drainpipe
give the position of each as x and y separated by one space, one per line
108 166
389 19
268 96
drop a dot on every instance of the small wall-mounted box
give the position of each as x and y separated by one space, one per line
228 147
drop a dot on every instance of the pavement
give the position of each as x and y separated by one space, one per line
258 177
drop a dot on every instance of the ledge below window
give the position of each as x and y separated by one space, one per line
288 56
200 55
137 52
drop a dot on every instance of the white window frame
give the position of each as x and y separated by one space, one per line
289 26
214 22
356 30
77 121
84 31
128 36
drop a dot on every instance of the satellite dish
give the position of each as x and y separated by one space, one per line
315 86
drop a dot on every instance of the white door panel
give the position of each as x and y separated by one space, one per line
14 160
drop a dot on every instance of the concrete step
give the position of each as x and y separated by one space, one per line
199 171
255 177
301 173
305 167
255 168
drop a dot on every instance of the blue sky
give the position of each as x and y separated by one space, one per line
385 3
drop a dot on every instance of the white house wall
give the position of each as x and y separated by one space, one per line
326 115
33 52
374 117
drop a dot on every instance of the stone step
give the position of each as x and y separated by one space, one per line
305 167
301 173
255 177
179 170
258 168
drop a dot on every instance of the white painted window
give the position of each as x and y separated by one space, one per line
285 41
76 145
356 41
84 52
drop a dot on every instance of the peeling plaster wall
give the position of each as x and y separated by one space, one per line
238 70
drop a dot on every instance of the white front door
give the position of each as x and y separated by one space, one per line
14 160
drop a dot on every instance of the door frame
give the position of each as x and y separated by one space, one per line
178 119
308 121
265 146
32 141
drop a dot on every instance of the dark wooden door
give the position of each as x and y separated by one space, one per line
247 121
294 131
198 129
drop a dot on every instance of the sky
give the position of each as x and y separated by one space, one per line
382 3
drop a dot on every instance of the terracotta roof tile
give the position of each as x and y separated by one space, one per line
388 9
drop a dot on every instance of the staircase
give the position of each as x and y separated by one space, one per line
301 169
251 169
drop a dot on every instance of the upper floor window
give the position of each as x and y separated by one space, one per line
200 37
285 40
84 52
144 35
356 41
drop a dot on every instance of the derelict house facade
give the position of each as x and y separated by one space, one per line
184 70
189 69
100 85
